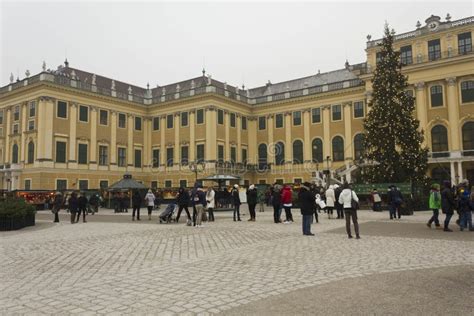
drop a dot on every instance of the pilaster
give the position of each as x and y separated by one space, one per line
307 137
72 161
271 143
347 106
93 140
453 115
326 109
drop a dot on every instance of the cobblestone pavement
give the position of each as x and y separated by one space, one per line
144 267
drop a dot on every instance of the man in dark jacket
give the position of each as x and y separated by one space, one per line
306 201
73 206
395 200
183 201
276 202
57 204
136 204
339 207
236 201
252 201
447 204
82 206
199 201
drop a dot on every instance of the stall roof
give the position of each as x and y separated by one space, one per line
126 183
220 177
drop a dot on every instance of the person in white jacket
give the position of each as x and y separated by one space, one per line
330 199
346 198
211 204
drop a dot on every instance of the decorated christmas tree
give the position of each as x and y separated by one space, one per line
393 140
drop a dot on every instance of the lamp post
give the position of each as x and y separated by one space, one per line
196 167
328 172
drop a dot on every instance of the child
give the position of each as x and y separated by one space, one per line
435 205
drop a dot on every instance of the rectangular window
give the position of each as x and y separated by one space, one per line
464 43
378 57
156 123
27 184
316 115
61 184
436 93
31 125
1 116
200 116
184 119
154 184
138 158
15 128
183 183
358 109
83 185
232 119
103 184
168 183
262 123
244 123
336 112
169 121
220 153
122 157
61 152
61 109
156 158
467 91
200 153
434 50
279 181
103 155
297 118
278 120
244 155
262 181
233 154
220 117
103 117
16 113
184 155
83 113
32 108
82 154
122 120
298 180
169 156
138 123
406 56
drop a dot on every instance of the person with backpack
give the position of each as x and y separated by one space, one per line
395 200
376 200
447 204
136 204
349 201
73 206
434 204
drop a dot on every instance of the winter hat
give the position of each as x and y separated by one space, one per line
236 186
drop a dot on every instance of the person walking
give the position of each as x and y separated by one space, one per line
82 207
136 204
261 200
376 200
150 202
434 205
252 201
447 204
199 201
286 200
314 190
183 203
211 202
330 199
57 204
339 207
276 202
347 198
236 201
395 200
306 201
94 203
73 206
465 210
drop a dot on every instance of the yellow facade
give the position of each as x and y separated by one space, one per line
70 128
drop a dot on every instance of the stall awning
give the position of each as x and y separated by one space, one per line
220 177
127 183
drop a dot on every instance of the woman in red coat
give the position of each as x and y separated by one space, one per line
286 199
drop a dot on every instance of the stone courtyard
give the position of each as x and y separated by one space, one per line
112 265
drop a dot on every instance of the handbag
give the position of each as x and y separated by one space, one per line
354 203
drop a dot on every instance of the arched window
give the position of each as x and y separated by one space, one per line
279 153
439 139
31 152
15 153
298 152
337 149
317 148
468 139
262 156
359 146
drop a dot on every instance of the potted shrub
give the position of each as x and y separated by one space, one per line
15 214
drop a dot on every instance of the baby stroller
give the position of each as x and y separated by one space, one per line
167 215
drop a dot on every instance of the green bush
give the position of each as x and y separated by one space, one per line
15 208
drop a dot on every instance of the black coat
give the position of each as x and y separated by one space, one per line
447 201
276 198
252 196
73 204
306 201
82 202
136 200
235 197
183 198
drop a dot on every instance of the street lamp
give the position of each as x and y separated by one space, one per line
196 167
328 172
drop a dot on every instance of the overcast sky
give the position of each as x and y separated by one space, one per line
162 43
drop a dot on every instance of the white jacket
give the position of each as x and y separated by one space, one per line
150 199
210 197
346 199
330 197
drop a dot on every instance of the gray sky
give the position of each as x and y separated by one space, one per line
163 42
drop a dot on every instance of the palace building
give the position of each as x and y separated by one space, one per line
71 129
